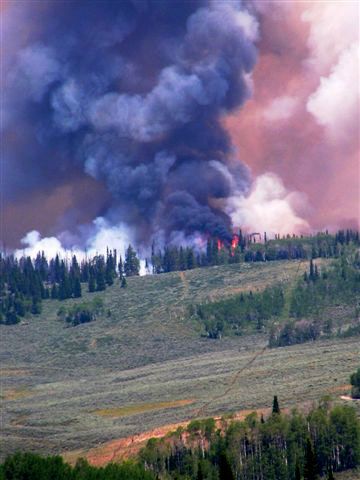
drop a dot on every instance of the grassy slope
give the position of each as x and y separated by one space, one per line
55 380
353 475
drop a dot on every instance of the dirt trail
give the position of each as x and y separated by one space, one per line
183 278
349 399
229 384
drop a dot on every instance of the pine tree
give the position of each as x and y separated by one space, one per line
225 472
316 272
110 270
99 270
63 289
123 282
330 475
77 288
35 306
92 284
310 467
132 264
297 471
121 268
312 271
190 259
100 280
54 291
275 407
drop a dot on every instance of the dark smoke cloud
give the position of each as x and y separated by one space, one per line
132 93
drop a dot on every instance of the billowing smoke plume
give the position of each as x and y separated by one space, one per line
302 122
131 93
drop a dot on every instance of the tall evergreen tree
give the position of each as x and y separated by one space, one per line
77 288
92 283
330 475
121 268
132 264
225 471
310 467
275 407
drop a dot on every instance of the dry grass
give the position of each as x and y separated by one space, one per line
136 409
148 353
16 394
352 475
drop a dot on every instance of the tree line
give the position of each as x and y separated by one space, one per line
250 248
25 282
240 313
313 296
290 313
281 447
295 446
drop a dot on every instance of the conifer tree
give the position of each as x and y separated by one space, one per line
330 475
92 284
225 472
100 279
132 264
310 467
312 271
77 288
121 268
275 407
54 291
110 268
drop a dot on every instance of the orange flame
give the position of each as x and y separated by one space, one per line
234 241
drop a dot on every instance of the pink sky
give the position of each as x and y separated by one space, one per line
302 122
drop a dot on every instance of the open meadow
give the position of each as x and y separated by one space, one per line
144 364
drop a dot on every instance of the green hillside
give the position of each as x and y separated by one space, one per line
143 362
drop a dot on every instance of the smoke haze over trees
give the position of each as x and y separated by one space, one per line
131 94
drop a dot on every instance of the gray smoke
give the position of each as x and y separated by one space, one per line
132 93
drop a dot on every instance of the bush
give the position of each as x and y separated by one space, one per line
355 382
84 312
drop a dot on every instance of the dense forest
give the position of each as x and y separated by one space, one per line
294 446
25 282
312 298
291 313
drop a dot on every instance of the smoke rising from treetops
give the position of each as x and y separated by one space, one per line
132 93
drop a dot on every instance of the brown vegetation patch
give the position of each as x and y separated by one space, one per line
19 420
14 372
140 408
124 448
340 388
16 393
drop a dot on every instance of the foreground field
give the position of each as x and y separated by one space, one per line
145 365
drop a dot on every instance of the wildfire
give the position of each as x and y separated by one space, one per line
220 244
234 241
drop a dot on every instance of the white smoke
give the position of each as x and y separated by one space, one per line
281 108
269 207
334 47
105 236
335 104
